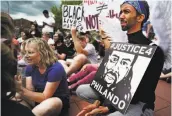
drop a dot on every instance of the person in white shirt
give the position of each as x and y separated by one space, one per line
86 53
48 24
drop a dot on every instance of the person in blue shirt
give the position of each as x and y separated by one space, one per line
46 82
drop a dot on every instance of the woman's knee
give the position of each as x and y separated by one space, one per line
51 106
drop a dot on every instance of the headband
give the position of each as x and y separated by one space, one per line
139 6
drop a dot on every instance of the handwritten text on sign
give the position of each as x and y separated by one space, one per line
72 16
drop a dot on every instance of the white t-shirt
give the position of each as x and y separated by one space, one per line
92 55
50 21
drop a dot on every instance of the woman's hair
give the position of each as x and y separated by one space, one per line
8 71
27 34
47 55
7 26
60 38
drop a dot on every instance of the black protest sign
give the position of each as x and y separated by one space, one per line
72 16
120 73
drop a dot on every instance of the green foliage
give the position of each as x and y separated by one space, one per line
57 11
74 2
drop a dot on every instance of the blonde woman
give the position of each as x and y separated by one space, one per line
46 82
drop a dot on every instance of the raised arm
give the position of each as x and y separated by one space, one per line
77 44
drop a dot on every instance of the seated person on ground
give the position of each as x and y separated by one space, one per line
87 73
131 16
86 53
46 36
70 46
46 82
60 47
8 71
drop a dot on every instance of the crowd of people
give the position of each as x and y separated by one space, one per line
58 62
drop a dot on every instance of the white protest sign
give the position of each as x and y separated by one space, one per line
110 23
72 16
92 9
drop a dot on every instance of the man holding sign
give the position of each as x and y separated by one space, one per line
132 16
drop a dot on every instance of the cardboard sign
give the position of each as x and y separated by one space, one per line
120 73
72 16
109 10
92 9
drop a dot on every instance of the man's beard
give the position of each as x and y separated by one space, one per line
125 28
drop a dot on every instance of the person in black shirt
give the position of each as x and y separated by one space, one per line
70 46
132 16
60 47
34 31
8 70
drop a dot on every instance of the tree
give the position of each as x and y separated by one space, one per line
57 11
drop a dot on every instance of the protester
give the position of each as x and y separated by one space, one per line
132 16
86 74
8 71
60 47
46 82
8 91
34 31
70 46
24 36
48 24
46 37
86 53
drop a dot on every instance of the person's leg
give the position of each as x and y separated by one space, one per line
49 107
86 80
83 73
78 62
134 110
91 67
77 76
87 93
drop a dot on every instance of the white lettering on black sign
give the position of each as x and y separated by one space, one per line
109 95
136 49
